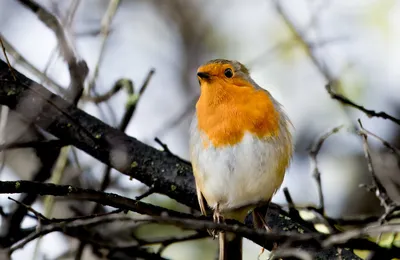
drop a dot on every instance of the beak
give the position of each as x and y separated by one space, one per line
203 75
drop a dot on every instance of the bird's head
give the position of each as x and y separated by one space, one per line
222 71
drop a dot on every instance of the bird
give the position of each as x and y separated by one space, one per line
240 147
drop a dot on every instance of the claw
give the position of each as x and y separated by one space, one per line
261 252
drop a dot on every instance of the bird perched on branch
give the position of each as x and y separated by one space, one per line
240 146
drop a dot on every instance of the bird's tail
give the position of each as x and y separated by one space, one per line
230 246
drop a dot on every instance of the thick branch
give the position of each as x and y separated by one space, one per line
36 104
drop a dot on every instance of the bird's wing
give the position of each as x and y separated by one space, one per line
200 198
194 139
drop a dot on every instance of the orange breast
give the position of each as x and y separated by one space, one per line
225 112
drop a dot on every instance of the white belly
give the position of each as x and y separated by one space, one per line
235 176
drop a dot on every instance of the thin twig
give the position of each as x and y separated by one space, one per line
120 84
67 21
370 113
29 208
392 148
56 177
28 65
78 68
59 220
62 226
133 101
146 81
288 197
323 69
294 213
105 30
145 194
313 153
378 187
8 62
300 36
168 151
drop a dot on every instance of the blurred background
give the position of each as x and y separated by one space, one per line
292 48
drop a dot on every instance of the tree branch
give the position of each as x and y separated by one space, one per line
78 68
144 163
370 113
109 199
315 172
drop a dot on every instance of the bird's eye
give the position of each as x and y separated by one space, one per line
228 73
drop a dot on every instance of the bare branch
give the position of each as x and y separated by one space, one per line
378 188
105 30
120 84
39 216
393 149
308 47
322 68
368 112
71 192
315 172
77 68
168 151
145 194
25 63
8 61
133 101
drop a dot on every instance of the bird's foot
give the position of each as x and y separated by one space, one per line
218 218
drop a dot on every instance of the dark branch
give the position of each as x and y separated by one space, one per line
109 199
144 163
377 186
370 113
315 172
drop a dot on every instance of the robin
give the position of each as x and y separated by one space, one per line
240 146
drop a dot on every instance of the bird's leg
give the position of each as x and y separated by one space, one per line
218 218
259 222
262 220
217 215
